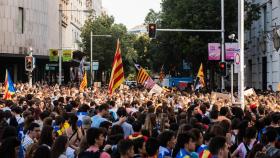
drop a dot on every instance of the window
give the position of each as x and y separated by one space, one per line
20 20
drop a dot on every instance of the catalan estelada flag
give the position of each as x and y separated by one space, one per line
83 84
200 78
9 87
117 74
142 76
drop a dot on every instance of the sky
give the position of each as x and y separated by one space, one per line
130 12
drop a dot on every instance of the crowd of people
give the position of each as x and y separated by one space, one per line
46 121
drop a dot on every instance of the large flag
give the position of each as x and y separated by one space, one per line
117 74
9 87
200 78
83 84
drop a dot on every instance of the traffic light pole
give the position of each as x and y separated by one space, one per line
223 41
241 44
202 30
60 46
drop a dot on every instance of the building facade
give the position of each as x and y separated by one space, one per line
74 14
26 24
261 58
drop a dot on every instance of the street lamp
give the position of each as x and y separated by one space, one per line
91 71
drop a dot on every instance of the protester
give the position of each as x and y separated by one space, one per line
126 148
44 121
32 135
59 147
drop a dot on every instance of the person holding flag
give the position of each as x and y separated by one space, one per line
9 87
200 83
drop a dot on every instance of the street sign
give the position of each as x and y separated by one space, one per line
95 65
237 62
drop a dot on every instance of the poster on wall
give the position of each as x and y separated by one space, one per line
214 51
231 49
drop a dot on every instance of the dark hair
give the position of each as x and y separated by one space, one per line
42 152
214 114
103 107
152 146
92 134
117 129
7 147
271 134
59 120
138 144
59 146
255 149
196 133
44 114
224 110
136 126
32 126
46 136
9 131
164 137
124 146
216 144
121 112
182 139
73 121
250 133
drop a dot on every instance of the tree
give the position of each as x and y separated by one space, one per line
104 48
170 48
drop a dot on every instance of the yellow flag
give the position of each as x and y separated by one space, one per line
200 75
83 84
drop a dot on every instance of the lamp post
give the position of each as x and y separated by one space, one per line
91 70
60 38
241 45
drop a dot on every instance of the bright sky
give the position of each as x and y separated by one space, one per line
130 12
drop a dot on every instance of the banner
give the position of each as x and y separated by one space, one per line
249 92
214 51
67 55
156 89
231 49
215 95
53 54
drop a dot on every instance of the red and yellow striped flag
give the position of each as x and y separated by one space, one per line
83 84
142 76
117 74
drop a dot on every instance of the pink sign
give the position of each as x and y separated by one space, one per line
214 51
231 49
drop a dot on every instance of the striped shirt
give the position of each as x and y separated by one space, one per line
26 142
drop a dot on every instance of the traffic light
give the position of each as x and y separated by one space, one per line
223 68
152 30
28 63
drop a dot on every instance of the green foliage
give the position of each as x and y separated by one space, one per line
103 47
171 48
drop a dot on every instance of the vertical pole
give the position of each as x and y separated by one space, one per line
231 82
223 40
60 45
30 78
91 74
241 44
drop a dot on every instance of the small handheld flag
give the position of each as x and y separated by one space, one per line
83 84
200 78
9 87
